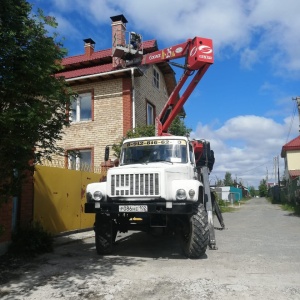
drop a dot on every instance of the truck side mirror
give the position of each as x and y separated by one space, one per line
106 155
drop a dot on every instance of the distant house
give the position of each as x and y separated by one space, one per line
291 154
111 97
229 193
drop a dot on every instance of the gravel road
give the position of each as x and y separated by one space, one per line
258 258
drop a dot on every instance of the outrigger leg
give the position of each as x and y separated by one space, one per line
209 208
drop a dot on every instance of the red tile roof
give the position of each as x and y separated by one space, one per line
86 71
294 173
83 58
291 145
98 62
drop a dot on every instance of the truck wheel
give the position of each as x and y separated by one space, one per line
103 234
195 234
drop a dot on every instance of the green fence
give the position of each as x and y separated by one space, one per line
291 192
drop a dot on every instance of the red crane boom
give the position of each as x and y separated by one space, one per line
198 53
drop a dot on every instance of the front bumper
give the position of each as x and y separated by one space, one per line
153 207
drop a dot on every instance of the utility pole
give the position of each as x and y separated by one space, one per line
275 169
298 104
278 170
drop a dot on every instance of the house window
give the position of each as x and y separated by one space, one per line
80 159
155 78
150 114
81 107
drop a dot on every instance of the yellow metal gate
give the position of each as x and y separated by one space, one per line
59 197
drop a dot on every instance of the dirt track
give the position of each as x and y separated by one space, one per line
258 258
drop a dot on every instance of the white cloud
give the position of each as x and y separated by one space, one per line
258 30
94 11
248 58
245 146
66 26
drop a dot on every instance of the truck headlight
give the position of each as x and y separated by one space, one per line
192 193
180 194
97 196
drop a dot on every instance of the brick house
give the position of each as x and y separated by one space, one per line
291 154
112 98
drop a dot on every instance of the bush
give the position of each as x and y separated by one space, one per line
31 241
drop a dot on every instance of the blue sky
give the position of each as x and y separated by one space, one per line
243 105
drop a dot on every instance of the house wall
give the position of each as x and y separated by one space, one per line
229 193
113 113
237 193
223 192
107 124
293 160
145 91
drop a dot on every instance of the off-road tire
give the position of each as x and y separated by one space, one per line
103 234
194 236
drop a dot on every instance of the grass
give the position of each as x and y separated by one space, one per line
292 208
228 207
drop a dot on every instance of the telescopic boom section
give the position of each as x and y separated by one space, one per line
198 53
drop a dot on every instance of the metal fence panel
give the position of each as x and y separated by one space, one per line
59 197
291 192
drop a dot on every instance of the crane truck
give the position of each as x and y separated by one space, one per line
161 182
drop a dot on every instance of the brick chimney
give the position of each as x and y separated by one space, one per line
89 46
118 34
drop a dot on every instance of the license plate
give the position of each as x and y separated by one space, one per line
133 208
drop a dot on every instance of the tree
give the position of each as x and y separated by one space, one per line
219 182
178 127
252 191
228 179
33 107
263 190
139 131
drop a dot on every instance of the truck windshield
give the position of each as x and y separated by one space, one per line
146 151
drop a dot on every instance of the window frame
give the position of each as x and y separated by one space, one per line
156 78
149 104
78 118
78 166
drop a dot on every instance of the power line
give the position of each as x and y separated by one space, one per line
292 120
298 105
260 165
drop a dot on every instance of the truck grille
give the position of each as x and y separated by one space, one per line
135 185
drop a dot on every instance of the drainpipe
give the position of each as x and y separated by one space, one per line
133 98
